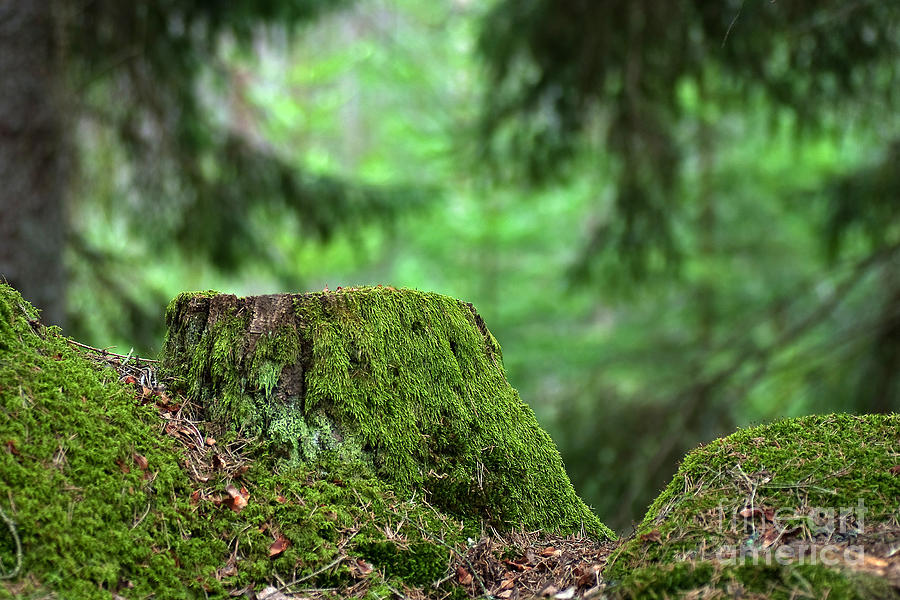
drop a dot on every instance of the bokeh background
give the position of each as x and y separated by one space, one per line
677 217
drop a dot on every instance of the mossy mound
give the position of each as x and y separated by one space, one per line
70 433
773 511
98 502
410 384
707 579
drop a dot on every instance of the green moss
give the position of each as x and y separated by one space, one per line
93 524
420 564
87 516
409 382
836 467
400 390
772 582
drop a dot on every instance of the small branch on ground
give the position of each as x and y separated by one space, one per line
105 352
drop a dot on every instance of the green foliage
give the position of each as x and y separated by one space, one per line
564 73
863 204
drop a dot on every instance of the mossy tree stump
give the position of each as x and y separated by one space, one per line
410 384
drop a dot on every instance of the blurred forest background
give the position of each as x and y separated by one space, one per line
676 217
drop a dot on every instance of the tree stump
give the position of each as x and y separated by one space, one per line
408 384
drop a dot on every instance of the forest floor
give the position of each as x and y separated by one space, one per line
516 565
508 566
117 487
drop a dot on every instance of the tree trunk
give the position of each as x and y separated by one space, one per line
33 157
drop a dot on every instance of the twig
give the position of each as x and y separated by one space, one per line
731 25
399 594
336 561
106 352
237 540
344 543
128 357
799 486
12 529
143 516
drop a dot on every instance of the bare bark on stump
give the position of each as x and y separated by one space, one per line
199 315
33 157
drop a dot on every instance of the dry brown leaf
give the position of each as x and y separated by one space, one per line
363 568
769 536
280 544
141 461
895 470
463 576
228 570
237 500
517 566
548 591
873 562
584 577
653 536
272 593
765 512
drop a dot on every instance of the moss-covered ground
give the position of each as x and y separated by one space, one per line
100 501
108 490
782 510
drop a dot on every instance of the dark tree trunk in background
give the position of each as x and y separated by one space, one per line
33 157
